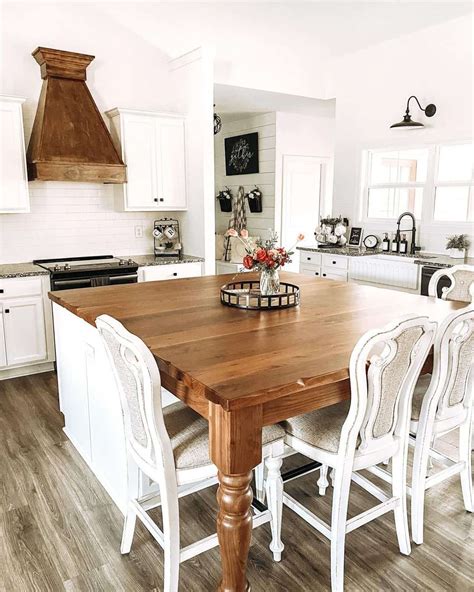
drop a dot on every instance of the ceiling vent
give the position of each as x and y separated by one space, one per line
70 141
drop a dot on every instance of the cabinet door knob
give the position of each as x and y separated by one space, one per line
175 274
162 199
1 290
334 262
316 273
7 310
324 275
155 199
309 258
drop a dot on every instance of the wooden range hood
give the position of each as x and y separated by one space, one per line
70 141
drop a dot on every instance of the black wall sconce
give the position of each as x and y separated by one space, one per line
407 122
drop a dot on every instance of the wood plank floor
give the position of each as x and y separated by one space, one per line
59 530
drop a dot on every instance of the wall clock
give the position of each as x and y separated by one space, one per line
371 241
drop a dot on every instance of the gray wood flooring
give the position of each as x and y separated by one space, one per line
59 530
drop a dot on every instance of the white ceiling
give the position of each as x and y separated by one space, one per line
332 27
234 102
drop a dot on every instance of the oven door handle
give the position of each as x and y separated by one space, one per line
117 279
79 283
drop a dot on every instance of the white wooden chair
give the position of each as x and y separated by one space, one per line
171 446
462 283
441 405
369 429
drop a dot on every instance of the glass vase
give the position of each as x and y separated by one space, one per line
269 281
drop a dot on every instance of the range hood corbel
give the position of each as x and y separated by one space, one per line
70 141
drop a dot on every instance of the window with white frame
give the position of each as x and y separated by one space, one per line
395 182
454 183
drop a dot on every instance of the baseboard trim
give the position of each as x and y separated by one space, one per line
26 370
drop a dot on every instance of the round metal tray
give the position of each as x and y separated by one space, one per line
246 294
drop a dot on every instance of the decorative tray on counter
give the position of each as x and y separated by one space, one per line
246 294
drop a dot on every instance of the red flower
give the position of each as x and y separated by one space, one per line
261 255
248 261
270 263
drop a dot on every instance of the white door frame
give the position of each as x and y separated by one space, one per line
324 161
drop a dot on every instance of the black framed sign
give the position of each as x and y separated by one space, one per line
355 238
241 154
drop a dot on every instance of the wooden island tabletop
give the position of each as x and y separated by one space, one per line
238 358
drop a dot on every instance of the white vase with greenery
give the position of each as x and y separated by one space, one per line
457 246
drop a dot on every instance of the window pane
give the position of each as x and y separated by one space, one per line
391 202
456 162
403 166
451 203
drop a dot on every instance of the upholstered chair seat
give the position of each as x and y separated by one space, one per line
321 428
189 436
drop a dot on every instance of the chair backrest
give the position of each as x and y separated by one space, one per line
139 384
462 283
451 387
384 367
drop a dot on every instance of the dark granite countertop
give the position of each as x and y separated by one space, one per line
14 270
146 260
432 259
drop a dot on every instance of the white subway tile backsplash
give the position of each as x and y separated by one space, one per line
73 219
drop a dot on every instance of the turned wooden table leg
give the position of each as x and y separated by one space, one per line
236 448
234 529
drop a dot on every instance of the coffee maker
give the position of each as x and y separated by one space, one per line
167 238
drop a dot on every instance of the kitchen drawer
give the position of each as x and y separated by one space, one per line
335 261
311 270
309 258
329 273
169 272
17 287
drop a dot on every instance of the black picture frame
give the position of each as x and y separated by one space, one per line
355 238
241 154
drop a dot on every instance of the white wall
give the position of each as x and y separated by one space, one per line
264 125
372 87
71 219
193 82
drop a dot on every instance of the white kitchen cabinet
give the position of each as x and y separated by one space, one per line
25 332
14 195
3 351
26 341
170 271
153 148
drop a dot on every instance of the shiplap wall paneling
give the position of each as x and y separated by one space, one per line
264 124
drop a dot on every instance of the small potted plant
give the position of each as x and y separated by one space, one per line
225 200
457 245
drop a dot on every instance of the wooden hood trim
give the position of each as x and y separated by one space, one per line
70 141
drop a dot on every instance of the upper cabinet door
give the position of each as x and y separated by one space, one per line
140 155
172 161
153 148
13 175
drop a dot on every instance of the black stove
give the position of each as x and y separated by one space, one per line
88 272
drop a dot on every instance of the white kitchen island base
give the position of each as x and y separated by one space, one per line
89 401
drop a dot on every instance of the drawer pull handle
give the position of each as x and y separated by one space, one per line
308 258
324 275
7 310
334 262
162 199
155 199
175 273
316 273
1 290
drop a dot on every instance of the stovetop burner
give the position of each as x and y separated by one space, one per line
81 264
